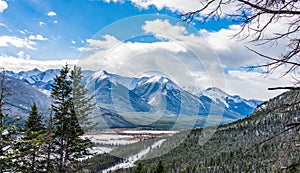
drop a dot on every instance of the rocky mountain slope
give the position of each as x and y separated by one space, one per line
21 97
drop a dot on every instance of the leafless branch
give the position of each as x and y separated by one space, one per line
256 17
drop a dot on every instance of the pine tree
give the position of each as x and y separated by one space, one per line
82 104
49 146
34 139
159 168
67 131
139 168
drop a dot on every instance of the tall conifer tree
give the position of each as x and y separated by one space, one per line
67 131
82 103
34 139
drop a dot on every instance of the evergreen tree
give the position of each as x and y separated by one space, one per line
139 168
34 139
49 146
159 168
67 131
82 104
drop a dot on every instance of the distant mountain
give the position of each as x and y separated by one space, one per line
154 95
35 77
160 94
232 103
111 91
22 96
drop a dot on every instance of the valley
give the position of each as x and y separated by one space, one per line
266 141
139 121
119 137
149 86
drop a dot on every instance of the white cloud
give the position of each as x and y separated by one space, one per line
114 1
3 5
37 37
173 5
51 13
22 55
3 25
249 85
96 45
73 42
254 85
181 6
231 52
55 21
42 23
6 41
22 64
163 29
188 59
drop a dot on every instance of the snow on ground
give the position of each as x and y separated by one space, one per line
124 137
149 132
95 151
114 139
100 150
129 162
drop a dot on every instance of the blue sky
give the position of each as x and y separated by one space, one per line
46 34
71 21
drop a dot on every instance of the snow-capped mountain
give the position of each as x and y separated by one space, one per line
233 103
35 77
151 95
160 94
22 96
111 91
164 95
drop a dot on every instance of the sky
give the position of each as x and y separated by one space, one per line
133 38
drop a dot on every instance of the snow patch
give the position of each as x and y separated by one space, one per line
129 162
153 79
5 132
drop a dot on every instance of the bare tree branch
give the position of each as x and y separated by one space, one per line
289 88
256 18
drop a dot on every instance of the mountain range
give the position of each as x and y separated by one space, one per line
125 98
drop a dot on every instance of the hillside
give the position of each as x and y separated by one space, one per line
21 97
266 141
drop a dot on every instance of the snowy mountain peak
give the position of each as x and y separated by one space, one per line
215 90
234 103
158 79
156 82
24 74
101 73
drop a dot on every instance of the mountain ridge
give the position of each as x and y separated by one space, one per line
153 95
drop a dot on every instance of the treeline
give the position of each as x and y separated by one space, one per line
53 144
